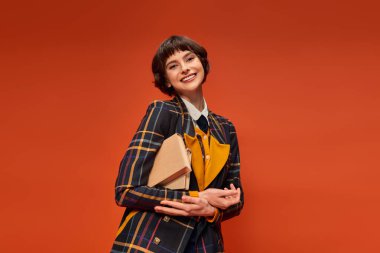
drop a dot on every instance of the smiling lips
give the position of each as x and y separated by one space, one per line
188 78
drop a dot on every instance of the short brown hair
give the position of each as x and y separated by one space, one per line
168 48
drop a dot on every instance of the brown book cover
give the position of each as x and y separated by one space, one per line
172 165
180 183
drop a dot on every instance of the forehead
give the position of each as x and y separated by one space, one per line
179 54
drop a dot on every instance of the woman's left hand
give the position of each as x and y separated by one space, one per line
221 198
190 206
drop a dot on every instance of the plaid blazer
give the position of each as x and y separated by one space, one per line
141 228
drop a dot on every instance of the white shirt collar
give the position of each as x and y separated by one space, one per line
194 112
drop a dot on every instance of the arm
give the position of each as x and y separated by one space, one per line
131 188
221 198
233 177
225 203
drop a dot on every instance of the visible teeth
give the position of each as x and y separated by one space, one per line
188 77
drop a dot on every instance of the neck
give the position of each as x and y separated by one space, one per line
196 99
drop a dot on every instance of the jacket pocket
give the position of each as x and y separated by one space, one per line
172 234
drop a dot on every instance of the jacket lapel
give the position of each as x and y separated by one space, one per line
219 149
216 129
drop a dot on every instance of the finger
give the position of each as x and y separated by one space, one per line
224 196
236 199
237 194
170 211
181 206
220 192
223 193
174 204
194 203
232 186
189 199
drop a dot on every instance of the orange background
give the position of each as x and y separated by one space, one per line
299 79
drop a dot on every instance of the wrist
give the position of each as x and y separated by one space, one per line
212 212
214 215
203 195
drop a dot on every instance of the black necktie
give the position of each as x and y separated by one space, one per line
203 124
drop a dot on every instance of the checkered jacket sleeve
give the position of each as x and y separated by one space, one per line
233 176
131 188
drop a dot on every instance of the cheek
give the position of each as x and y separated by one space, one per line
170 75
200 66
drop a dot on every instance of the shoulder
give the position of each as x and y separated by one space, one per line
161 117
164 106
225 122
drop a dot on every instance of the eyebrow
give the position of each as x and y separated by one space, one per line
175 60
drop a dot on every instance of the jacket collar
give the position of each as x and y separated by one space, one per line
195 114
186 124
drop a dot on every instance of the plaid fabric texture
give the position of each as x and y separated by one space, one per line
143 230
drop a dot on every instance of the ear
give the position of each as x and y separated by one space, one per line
169 85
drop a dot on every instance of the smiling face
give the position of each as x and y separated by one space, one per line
185 73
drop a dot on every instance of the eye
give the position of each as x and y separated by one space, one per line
190 58
172 66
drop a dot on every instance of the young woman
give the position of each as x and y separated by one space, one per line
162 220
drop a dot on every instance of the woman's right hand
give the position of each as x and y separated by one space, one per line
221 198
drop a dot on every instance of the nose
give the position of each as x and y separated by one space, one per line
184 68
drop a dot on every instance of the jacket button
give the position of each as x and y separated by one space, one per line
156 240
207 157
166 218
205 137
